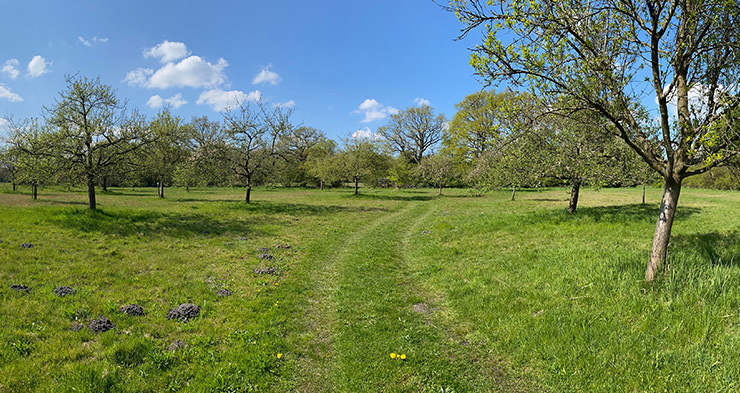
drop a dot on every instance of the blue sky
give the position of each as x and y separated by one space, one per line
343 65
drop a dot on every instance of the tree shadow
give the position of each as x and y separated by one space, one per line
615 214
147 222
298 208
711 249
386 197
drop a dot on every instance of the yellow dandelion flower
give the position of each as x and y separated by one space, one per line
280 355
393 355
403 356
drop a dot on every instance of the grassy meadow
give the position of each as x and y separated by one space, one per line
479 294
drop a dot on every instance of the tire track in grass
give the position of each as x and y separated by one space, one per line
318 360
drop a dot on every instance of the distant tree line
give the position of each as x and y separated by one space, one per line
495 140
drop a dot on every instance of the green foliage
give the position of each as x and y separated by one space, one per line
413 132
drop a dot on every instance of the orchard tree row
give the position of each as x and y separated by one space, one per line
89 138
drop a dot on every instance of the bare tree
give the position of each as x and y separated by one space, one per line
255 133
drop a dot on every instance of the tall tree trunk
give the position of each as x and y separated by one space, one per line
668 204
643 193
34 191
161 189
513 192
91 193
574 196
322 186
357 187
15 186
249 191
440 189
105 183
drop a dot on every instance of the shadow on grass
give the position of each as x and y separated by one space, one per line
613 214
146 222
711 248
392 197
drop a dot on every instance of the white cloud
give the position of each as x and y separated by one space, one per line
220 100
373 110
267 76
175 101
289 104
38 66
190 72
9 95
167 51
365 133
91 42
10 69
139 76
422 101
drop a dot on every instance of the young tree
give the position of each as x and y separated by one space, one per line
413 132
438 169
608 57
361 160
320 163
167 150
91 129
33 164
254 134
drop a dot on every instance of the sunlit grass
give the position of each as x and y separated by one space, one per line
478 293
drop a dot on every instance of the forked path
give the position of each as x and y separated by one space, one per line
365 306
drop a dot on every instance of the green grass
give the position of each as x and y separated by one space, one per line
480 293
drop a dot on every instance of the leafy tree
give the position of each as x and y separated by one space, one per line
361 160
91 130
207 160
294 150
9 165
33 164
612 58
254 134
413 132
320 162
167 150
438 169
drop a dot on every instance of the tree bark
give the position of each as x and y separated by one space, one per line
440 189
15 186
34 191
91 193
187 188
668 204
322 186
160 189
513 192
357 187
643 194
574 196
249 191
105 184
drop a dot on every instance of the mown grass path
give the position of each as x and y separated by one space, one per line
367 305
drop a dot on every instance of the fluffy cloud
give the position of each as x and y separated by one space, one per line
220 100
422 101
267 76
91 42
373 110
175 101
38 66
289 104
190 72
167 51
9 68
9 95
365 133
